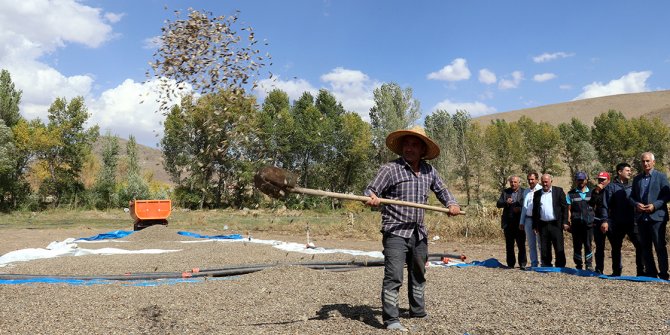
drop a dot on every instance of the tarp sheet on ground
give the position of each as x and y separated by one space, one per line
70 248
67 248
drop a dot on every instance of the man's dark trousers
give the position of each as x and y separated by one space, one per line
599 239
582 236
551 234
616 235
398 251
653 233
515 235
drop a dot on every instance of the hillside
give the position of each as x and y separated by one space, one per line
150 159
653 104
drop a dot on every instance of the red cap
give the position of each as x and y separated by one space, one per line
603 175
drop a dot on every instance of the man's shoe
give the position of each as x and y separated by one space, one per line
522 268
421 317
396 326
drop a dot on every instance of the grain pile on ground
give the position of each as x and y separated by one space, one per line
296 300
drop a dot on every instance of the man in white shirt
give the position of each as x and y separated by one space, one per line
526 222
550 216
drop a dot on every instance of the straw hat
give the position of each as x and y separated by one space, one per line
394 141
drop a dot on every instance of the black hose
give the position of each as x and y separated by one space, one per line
234 270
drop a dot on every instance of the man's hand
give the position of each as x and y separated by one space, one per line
374 200
566 227
454 210
640 207
521 227
604 227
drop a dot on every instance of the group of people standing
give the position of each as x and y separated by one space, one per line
538 214
610 210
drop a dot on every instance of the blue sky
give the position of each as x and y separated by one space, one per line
481 56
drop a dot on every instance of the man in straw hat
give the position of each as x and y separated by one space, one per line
405 238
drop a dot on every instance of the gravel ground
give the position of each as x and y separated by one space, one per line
295 300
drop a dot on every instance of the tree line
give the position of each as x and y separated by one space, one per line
213 145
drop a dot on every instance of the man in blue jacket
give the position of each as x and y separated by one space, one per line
649 197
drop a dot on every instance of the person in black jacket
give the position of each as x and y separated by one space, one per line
510 201
599 224
619 221
580 221
550 217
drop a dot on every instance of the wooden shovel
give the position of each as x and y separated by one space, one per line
277 182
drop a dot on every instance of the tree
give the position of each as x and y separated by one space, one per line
614 139
504 142
105 184
275 127
394 109
578 152
440 128
208 144
71 143
207 53
10 99
652 136
135 187
7 165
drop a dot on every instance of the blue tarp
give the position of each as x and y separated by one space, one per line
494 263
217 237
107 236
124 233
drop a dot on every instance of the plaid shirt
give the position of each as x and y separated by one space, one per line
396 180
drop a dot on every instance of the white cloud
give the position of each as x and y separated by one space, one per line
475 109
30 29
542 77
114 17
565 87
130 109
546 57
633 82
294 87
487 77
353 88
513 82
457 70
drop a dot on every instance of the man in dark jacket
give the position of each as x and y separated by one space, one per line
599 230
649 197
550 217
580 221
511 201
619 221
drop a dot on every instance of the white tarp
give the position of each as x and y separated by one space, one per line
67 248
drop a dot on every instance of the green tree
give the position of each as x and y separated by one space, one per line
650 135
614 139
440 127
135 187
65 156
275 127
578 152
105 184
395 108
209 145
10 98
505 150
8 154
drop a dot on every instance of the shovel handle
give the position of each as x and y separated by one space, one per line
321 193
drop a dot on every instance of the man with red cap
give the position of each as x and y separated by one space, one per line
599 224
405 238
